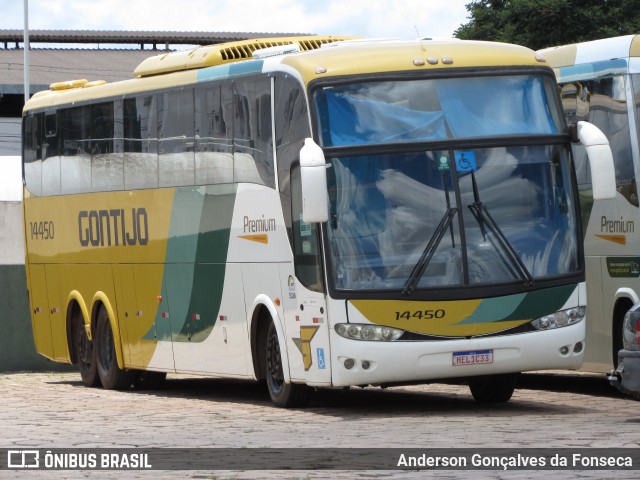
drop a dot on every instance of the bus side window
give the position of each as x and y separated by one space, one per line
75 159
106 166
252 150
306 244
51 155
291 127
176 138
33 137
214 144
140 148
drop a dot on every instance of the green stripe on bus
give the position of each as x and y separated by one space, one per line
195 263
522 306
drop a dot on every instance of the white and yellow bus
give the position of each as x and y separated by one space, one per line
310 212
600 82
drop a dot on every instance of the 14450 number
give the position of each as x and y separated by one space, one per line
42 230
420 314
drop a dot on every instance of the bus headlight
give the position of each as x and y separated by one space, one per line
563 318
376 333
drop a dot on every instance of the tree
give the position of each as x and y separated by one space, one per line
544 23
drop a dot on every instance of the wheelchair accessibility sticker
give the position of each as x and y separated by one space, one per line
321 363
465 161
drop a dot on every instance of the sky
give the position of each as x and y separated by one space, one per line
403 19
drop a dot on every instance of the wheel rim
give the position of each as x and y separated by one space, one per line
84 348
274 363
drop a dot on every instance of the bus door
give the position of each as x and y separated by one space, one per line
307 321
40 310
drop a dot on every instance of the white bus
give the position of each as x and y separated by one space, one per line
363 213
600 82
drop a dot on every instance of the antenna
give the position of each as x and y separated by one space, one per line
419 38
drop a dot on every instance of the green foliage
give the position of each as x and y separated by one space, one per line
544 23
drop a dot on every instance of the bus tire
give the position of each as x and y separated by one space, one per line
283 394
494 388
111 375
85 353
617 334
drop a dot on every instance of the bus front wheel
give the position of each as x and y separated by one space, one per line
494 388
283 394
111 375
85 353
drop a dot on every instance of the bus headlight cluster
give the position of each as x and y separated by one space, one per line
563 318
374 333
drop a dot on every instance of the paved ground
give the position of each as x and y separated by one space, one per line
53 410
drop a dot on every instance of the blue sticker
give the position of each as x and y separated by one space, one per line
320 353
465 161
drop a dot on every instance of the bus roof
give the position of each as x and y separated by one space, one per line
338 56
607 49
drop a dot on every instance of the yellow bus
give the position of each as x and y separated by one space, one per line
313 212
600 83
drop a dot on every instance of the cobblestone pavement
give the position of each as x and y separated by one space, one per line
53 410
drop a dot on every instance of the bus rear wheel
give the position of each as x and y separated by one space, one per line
111 375
85 353
283 394
494 388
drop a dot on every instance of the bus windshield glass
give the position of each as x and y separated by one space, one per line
421 218
435 109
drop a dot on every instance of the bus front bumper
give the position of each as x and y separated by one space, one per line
377 363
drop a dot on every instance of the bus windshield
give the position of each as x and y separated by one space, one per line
430 218
379 112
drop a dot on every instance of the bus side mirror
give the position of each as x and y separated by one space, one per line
313 177
603 174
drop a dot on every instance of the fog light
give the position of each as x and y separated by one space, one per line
578 347
365 364
564 350
349 363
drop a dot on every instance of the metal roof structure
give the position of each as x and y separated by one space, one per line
50 65
155 38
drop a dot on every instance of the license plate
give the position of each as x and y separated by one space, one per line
479 357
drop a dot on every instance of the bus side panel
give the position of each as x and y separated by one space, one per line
57 315
40 310
598 322
212 341
150 332
127 309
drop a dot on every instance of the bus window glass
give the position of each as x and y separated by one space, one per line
607 109
425 110
51 157
107 169
306 247
76 155
140 145
390 213
176 138
214 150
252 150
33 136
291 126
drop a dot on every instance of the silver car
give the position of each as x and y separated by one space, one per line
626 377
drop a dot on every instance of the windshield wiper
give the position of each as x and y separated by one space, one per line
429 251
483 217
